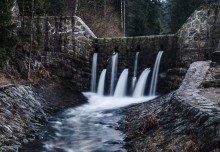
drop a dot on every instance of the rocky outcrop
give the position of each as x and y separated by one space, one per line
183 120
24 110
20 113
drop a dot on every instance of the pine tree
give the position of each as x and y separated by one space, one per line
180 10
8 40
55 8
143 17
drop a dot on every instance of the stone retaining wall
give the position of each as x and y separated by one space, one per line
20 112
200 35
183 120
63 45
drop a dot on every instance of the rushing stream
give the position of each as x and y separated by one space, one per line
88 128
92 126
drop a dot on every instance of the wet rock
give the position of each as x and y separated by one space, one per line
19 106
186 120
216 56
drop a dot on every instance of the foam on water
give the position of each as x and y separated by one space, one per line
100 103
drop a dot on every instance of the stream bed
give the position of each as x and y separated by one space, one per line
91 127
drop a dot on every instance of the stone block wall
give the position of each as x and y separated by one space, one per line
63 45
199 36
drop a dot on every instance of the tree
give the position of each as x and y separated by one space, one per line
143 17
76 7
8 40
180 10
165 17
31 39
55 8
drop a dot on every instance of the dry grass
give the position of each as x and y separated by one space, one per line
150 123
105 26
152 141
40 75
171 147
218 103
4 80
191 146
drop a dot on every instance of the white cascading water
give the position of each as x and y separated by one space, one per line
134 79
91 126
140 87
121 87
153 85
114 72
101 84
94 67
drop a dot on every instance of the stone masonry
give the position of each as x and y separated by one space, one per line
63 45
195 41
183 120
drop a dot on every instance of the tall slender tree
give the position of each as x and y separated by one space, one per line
180 10
8 39
143 17
31 38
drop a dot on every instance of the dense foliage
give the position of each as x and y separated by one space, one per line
8 40
107 17
147 17
180 10
143 17
56 8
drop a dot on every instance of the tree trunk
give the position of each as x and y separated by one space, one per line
31 39
105 8
122 15
95 8
124 20
76 7
22 16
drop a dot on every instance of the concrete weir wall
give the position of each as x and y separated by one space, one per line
149 47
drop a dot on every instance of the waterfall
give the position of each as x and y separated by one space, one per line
135 70
140 87
101 84
121 87
155 74
94 66
114 72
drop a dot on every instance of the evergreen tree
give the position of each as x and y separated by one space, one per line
143 17
55 8
165 16
180 10
8 40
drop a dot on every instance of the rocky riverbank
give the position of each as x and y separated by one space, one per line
24 110
183 120
21 113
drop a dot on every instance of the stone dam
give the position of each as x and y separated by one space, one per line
186 117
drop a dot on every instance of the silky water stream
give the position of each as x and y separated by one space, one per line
92 127
88 128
